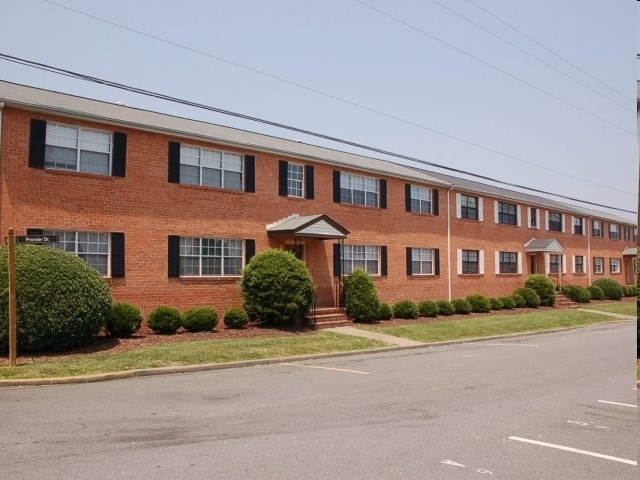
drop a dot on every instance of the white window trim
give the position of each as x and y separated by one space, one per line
480 201
222 275
497 263
530 217
302 189
480 261
78 149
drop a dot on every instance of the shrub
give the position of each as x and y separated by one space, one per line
445 307
531 298
164 319
200 319
612 290
428 308
124 321
596 292
518 300
235 318
630 291
496 304
384 312
360 297
508 302
544 287
479 303
460 305
577 293
62 301
277 288
405 309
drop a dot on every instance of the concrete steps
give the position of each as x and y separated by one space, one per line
562 301
329 318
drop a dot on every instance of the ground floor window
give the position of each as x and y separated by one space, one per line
614 265
210 256
555 263
508 262
421 261
364 257
469 262
92 247
578 264
598 265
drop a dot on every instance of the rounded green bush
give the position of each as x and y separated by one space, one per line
428 308
277 288
479 303
445 307
630 291
531 298
518 300
360 297
508 302
235 318
62 301
125 320
461 306
577 293
405 309
544 287
596 292
165 320
612 290
384 311
496 304
200 319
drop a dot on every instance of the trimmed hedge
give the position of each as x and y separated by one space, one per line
530 296
479 303
612 290
125 320
544 287
508 303
596 292
384 312
200 319
461 306
360 297
445 307
165 320
62 301
630 291
405 309
235 318
577 293
496 304
518 300
428 308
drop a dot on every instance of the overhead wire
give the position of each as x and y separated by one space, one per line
181 101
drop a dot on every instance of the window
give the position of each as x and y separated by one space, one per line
470 261
555 263
508 262
470 207
614 265
597 229
598 265
366 258
578 264
626 232
92 247
507 214
422 261
614 231
578 228
210 168
421 200
210 257
358 190
77 149
295 180
635 234
555 222
534 221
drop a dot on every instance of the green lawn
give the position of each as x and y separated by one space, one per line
623 308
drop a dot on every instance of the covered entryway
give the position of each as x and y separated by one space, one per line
630 262
546 257
305 236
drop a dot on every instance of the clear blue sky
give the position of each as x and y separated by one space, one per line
413 67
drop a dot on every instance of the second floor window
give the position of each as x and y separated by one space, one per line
469 207
507 214
295 180
420 199
77 149
614 231
555 222
358 190
210 168
578 226
534 221
597 229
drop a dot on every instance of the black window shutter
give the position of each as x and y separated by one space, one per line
117 254
407 197
249 173
409 265
436 259
35 231
37 142
336 186
436 202
174 162
174 256
383 193
249 249
119 160
283 174
308 182
383 261
337 257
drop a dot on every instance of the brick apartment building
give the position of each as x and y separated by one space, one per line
169 210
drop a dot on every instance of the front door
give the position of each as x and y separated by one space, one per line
533 264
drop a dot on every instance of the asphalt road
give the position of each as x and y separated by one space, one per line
551 406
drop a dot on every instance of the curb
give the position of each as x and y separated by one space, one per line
147 372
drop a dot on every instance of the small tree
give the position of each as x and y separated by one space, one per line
544 287
360 297
277 288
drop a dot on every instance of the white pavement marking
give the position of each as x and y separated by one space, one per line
326 368
504 344
618 403
574 450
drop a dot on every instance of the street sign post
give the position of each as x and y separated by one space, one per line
13 323
36 239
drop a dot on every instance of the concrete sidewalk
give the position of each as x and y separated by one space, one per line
397 341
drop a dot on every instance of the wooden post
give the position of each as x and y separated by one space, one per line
13 323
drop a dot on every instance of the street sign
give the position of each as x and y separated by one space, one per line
36 238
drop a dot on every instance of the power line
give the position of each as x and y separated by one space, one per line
334 97
169 98
496 68
535 57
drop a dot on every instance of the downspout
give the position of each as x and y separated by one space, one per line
589 261
449 242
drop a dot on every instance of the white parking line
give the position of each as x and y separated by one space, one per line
504 344
574 450
618 403
326 368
